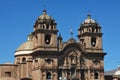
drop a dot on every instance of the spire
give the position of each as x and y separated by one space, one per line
59 37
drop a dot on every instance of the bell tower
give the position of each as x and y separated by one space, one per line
90 35
45 32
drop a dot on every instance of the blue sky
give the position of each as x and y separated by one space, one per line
17 18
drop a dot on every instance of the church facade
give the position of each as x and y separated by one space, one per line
44 56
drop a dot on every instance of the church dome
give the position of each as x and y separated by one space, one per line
25 48
45 22
89 20
44 16
117 73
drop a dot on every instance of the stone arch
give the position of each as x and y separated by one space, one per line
48 75
72 48
23 60
76 46
95 75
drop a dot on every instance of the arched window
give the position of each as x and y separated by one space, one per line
95 75
47 39
89 29
47 27
51 27
43 26
93 42
92 29
48 76
23 60
96 29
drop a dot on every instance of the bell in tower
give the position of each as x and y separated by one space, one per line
45 32
90 35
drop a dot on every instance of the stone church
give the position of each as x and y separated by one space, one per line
44 56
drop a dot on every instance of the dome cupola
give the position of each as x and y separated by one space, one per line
89 22
45 21
89 25
44 16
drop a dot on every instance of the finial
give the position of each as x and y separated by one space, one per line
89 15
44 11
60 37
71 32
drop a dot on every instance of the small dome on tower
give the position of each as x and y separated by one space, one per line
89 20
44 15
